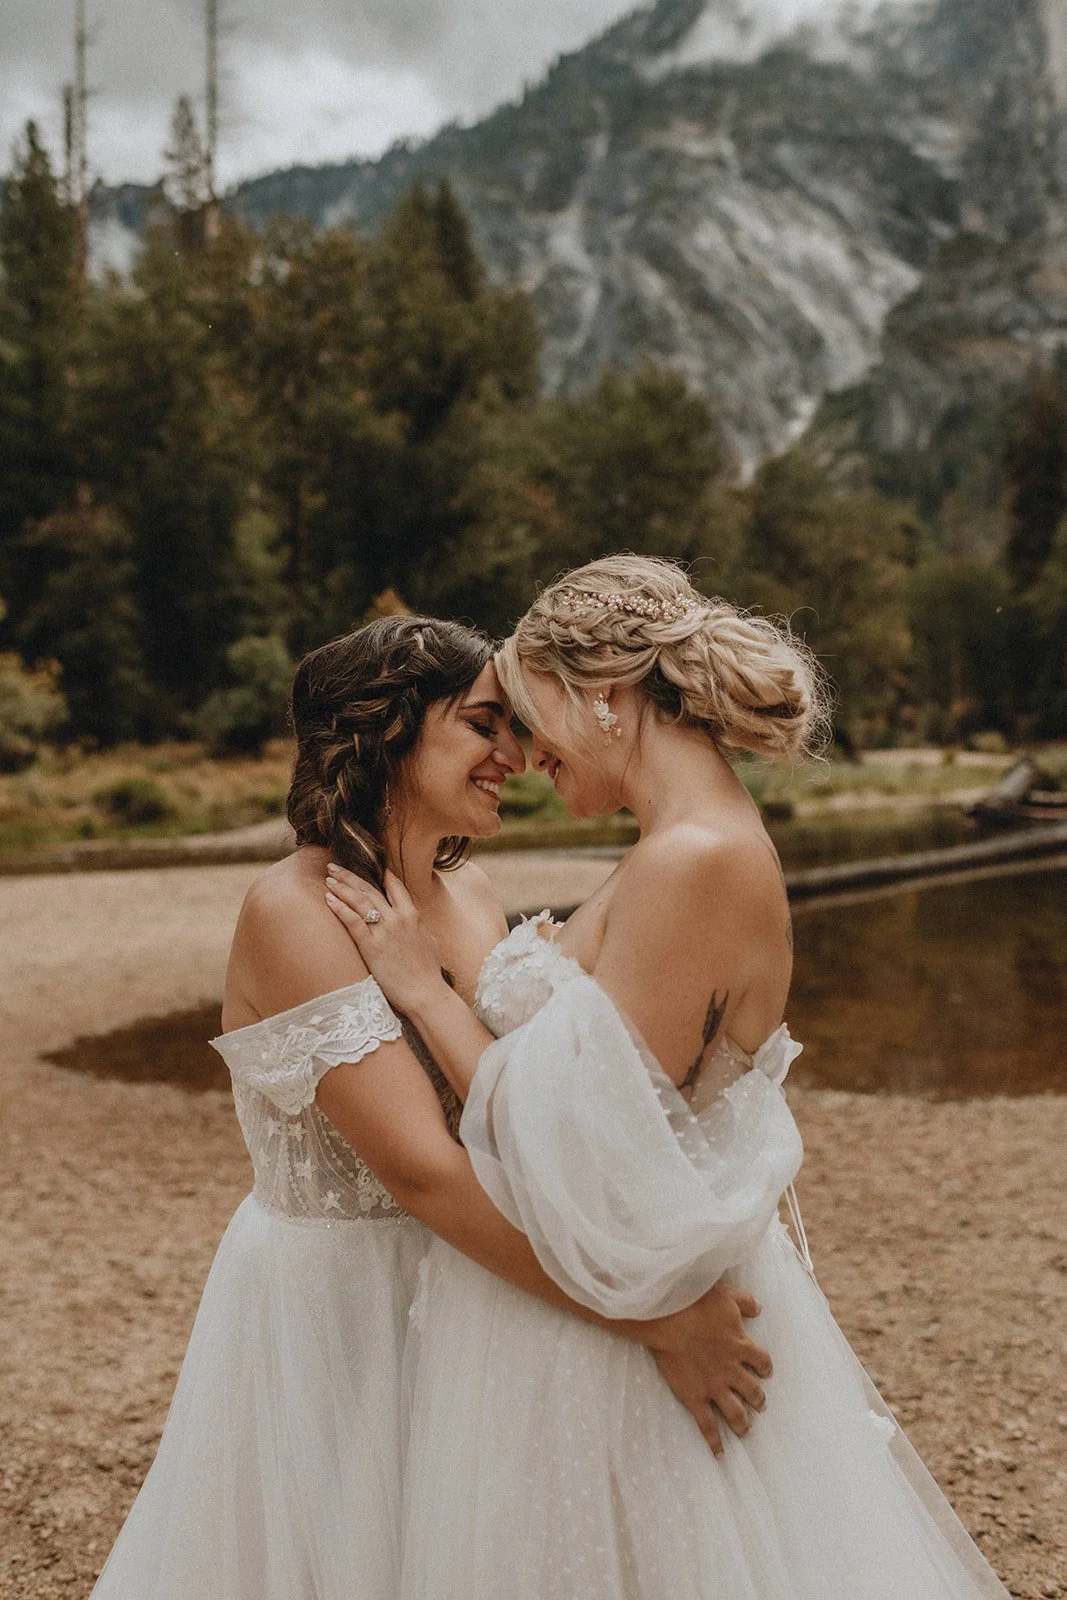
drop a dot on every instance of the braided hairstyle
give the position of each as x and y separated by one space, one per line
358 707
636 620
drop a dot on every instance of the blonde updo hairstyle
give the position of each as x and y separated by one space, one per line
705 663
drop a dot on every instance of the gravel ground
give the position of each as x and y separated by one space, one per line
939 1232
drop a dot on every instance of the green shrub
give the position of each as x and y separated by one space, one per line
528 795
135 801
31 708
990 742
240 719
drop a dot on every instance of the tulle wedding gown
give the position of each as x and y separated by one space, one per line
548 1460
278 1476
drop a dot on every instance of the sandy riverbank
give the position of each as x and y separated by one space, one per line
940 1233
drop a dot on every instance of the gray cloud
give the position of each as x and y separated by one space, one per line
307 80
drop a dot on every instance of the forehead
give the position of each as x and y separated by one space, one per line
486 687
540 698
484 694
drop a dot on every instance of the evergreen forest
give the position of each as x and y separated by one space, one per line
264 434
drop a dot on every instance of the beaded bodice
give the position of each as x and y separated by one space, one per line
304 1167
520 974
527 968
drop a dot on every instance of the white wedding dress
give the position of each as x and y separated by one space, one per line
278 1476
548 1459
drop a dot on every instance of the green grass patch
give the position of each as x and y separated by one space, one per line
179 788
161 791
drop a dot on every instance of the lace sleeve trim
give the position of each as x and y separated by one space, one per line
284 1057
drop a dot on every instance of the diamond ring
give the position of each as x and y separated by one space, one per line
372 916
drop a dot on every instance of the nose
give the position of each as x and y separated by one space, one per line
540 757
508 752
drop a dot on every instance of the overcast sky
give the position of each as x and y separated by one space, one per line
305 80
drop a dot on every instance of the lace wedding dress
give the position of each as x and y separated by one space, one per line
278 1476
548 1460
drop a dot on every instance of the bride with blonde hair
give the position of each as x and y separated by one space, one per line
622 1077
279 1473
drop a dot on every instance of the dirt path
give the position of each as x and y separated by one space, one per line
940 1233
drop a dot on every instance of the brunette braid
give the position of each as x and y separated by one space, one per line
358 707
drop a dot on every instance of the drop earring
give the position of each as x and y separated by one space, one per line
606 718
387 809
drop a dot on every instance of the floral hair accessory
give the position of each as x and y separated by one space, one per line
634 605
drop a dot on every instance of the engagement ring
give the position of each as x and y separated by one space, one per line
372 917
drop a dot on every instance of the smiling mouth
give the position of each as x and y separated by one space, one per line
488 786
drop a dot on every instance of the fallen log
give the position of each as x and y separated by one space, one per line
1047 799
1012 800
917 870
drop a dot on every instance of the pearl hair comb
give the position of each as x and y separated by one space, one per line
634 605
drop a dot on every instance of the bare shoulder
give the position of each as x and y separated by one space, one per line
288 946
286 893
699 866
693 940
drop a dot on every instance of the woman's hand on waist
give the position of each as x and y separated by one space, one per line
711 1364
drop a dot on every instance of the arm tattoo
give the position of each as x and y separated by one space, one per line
712 1024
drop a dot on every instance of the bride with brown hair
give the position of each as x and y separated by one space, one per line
279 1472
622 1077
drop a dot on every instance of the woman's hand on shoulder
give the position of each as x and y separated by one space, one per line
387 932
682 940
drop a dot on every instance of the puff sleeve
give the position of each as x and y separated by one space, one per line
634 1204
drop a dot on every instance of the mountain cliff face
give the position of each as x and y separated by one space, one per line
779 198
995 296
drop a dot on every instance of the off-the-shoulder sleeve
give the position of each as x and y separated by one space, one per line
284 1057
634 1205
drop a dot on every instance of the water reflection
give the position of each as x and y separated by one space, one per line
955 991
824 840
172 1049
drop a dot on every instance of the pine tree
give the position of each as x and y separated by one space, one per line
86 618
166 445
396 408
1036 465
633 462
39 300
837 565
961 618
325 451
458 258
186 182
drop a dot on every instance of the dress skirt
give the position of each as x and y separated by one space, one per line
549 1461
548 1458
278 1475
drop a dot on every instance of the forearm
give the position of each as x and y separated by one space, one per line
452 1034
459 1211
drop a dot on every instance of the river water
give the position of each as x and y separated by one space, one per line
956 991
818 841
953 991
